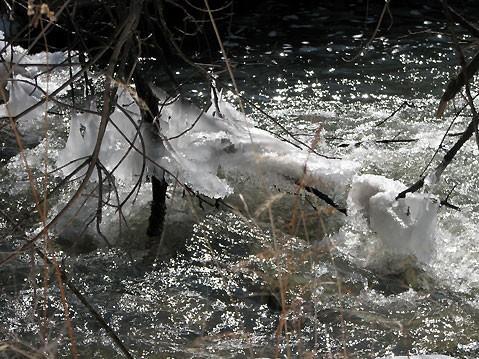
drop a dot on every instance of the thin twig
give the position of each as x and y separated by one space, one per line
373 36
404 104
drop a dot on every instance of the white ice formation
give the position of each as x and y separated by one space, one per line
195 146
27 79
121 131
406 226
201 149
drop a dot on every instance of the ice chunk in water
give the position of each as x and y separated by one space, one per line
27 81
195 146
115 153
366 186
23 95
233 144
405 227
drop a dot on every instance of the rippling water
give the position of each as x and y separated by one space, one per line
221 295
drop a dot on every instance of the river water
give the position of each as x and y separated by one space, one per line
301 281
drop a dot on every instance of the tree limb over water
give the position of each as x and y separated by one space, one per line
468 70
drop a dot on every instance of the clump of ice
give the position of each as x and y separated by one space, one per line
16 60
28 79
231 143
115 152
195 146
199 147
23 94
400 228
366 186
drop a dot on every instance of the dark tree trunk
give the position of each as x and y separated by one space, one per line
158 183
158 207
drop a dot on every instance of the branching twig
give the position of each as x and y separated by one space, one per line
447 159
456 83
111 333
404 104
125 32
373 36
